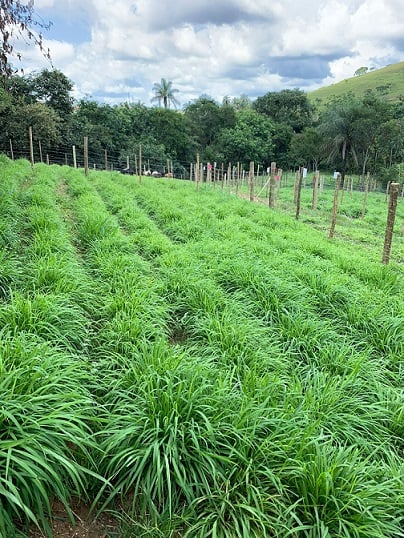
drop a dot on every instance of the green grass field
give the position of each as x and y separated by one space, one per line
195 364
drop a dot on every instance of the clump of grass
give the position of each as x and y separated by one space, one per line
162 448
46 446
10 273
50 317
339 493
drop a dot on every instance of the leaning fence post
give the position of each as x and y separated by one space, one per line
315 189
197 172
140 163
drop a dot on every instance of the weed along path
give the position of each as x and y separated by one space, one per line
181 363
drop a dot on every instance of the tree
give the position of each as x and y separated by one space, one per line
373 114
171 129
98 122
238 103
207 119
44 121
249 140
390 142
305 148
17 20
20 88
361 71
291 107
339 130
53 88
353 128
164 92
282 138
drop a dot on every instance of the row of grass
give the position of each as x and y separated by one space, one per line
204 367
204 317
47 410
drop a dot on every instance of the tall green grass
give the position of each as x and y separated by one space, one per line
202 366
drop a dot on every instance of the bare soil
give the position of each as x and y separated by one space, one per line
85 525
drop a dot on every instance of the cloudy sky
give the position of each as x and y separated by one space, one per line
114 50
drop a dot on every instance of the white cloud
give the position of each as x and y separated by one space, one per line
219 47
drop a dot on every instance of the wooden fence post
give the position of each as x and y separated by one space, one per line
74 157
196 172
272 185
140 163
86 155
315 190
335 206
391 215
342 189
298 189
251 181
11 150
367 183
387 190
278 189
31 147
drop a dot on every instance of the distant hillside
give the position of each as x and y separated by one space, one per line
387 81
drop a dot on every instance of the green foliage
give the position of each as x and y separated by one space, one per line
44 121
394 174
306 148
249 140
290 107
45 430
207 118
53 88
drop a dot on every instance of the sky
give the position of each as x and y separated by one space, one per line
115 50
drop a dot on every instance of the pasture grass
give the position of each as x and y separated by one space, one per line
194 363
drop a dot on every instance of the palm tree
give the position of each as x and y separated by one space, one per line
164 91
340 133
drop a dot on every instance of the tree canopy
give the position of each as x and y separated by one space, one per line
17 20
357 134
291 107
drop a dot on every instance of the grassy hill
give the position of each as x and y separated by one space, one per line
387 81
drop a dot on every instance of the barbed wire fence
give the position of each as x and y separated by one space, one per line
255 182
267 179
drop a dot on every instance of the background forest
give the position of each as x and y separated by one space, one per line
354 132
